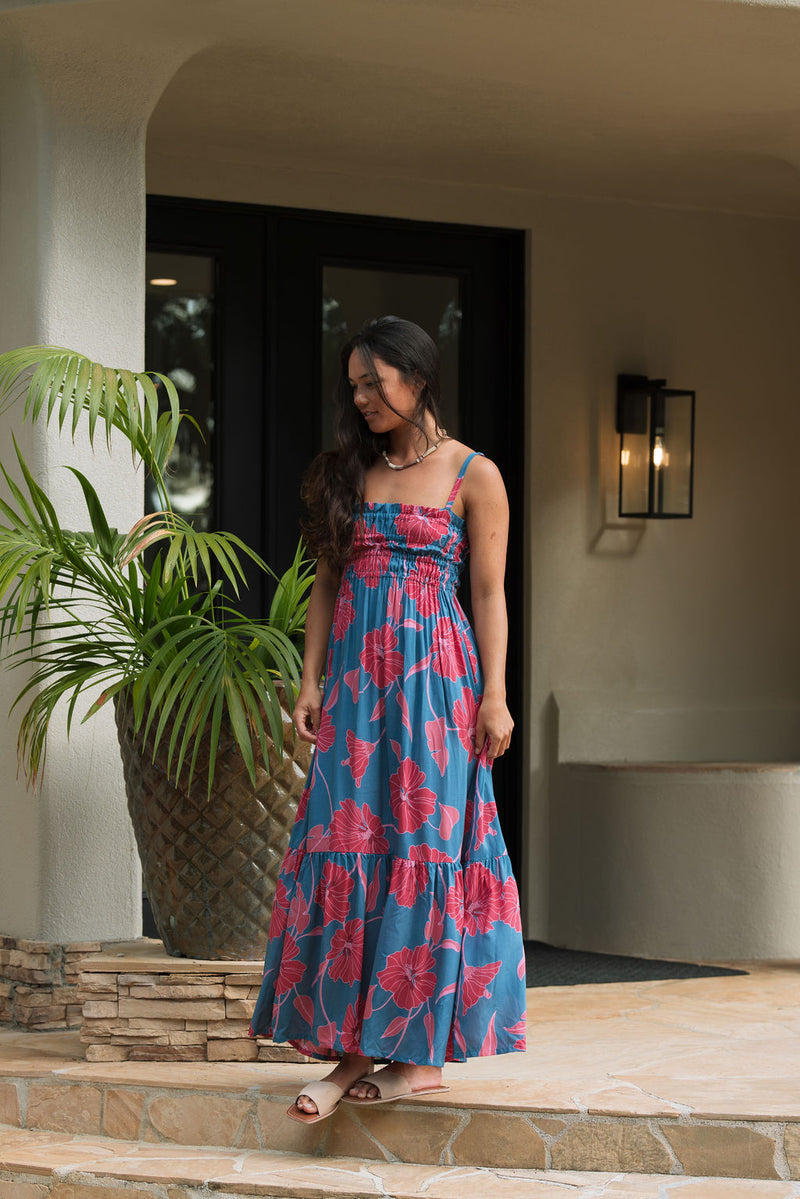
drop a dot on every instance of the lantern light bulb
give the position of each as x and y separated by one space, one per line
659 456
624 457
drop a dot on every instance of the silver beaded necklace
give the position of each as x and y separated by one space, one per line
405 465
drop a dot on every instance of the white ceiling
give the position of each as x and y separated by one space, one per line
691 102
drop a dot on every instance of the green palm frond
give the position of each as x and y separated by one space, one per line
189 550
289 605
160 635
207 664
68 659
42 564
58 384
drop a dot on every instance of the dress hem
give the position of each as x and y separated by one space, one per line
335 1055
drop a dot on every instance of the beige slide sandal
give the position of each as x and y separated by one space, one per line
391 1086
326 1095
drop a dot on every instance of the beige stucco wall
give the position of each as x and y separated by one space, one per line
699 613
68 865
72 272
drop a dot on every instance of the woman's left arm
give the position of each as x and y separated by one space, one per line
486 507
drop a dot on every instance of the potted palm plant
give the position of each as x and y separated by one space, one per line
146 620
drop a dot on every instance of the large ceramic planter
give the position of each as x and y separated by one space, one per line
210 865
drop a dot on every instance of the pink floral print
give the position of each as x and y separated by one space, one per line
379 657
412 803
395 929
409 976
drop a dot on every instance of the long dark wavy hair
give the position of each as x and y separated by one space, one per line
333 488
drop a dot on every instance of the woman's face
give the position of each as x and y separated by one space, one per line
402 395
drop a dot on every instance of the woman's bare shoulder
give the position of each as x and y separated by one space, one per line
458 452
481 469
483 485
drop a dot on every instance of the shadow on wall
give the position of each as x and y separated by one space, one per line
609 535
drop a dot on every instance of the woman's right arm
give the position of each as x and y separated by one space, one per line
318 628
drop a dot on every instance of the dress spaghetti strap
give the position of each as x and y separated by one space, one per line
460 477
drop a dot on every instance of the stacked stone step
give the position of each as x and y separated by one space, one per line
158 1008
39 982
92 1167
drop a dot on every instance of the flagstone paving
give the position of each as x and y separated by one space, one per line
39 1165
672 1080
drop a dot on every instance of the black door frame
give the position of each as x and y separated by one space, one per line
269 263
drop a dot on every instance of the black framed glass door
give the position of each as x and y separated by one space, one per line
284 288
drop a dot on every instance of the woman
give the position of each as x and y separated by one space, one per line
395 933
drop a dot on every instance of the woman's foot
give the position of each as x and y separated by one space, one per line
351 1067
418 1078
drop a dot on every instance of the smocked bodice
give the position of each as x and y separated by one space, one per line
403 540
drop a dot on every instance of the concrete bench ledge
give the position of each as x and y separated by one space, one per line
677 859
791 768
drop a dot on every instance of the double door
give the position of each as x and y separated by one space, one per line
247 310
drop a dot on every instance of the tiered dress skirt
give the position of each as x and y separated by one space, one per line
396 925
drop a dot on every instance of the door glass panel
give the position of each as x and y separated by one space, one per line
179 339
351 296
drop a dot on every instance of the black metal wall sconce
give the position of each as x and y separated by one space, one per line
656 448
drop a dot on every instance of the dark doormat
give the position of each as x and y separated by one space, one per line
547 966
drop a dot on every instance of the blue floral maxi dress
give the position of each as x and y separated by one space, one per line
395 929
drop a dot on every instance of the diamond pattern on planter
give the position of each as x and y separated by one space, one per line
210 866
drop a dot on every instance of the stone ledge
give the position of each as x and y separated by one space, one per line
148 956
140 1004
39 982
412 1133
41 1165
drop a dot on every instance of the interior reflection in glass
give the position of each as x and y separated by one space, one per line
179 316
351 296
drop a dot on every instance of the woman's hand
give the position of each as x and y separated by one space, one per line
307 711
494 725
